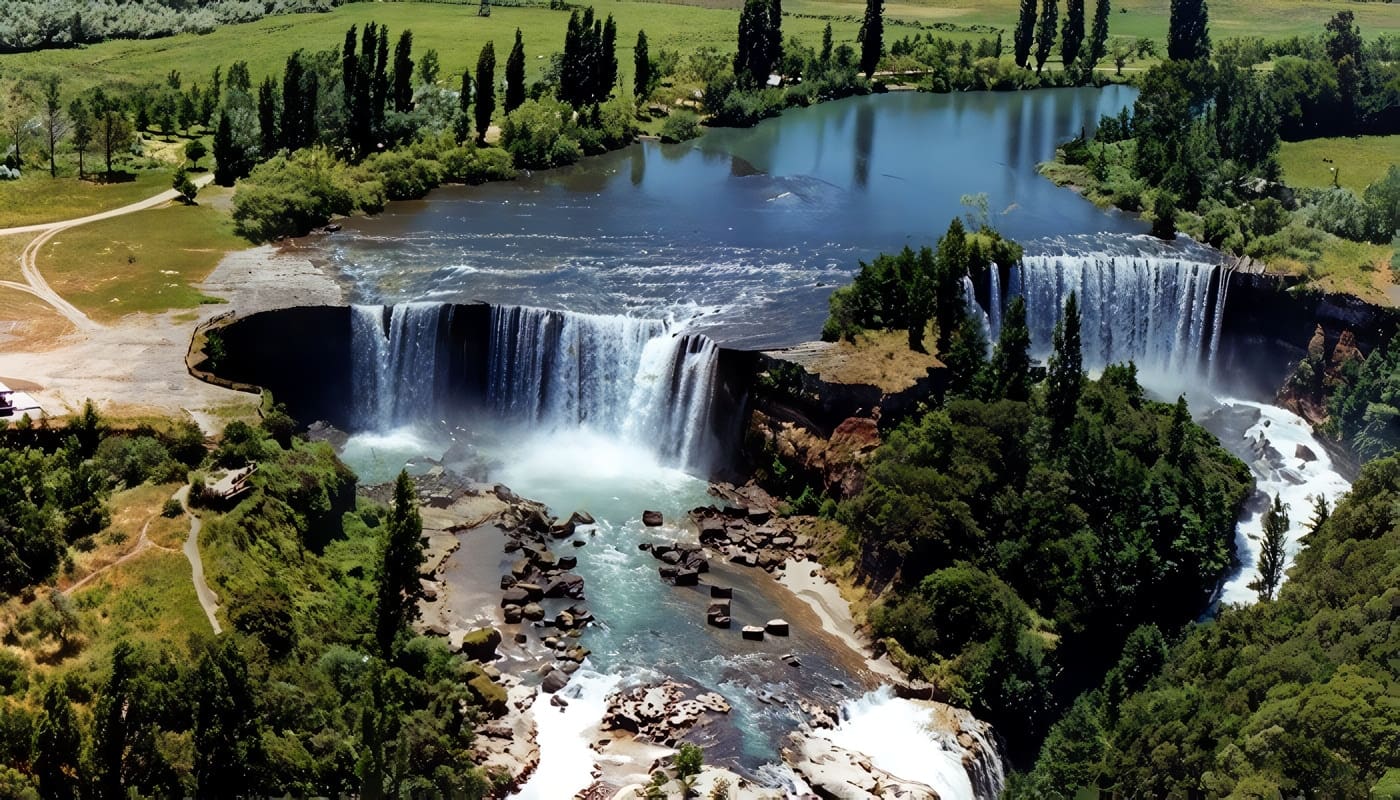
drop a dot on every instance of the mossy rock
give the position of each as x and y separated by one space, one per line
489 695
481 644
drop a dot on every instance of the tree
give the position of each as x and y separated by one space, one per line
194 151
402 558
515 75
57 743
109 725
1179 434
293 135
1045 33
949 267
224 155
1025 33
54 121
872 36
825 56
403 73
1011 358
1271 550
607 61
1344 49
227 729
84 130
428 68
1321 513
485 90
1064 372
1072 32
17 118
267 118
966 358
114 131
756 58
1188 34
182 184
641 69
1098 37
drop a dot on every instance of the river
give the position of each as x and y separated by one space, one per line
741 236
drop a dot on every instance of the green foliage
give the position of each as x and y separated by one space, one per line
399 589
689 760
1271 550
1294 696
872 36
1364 407
1188 36
680 126
760 41
541 134
485 102
1064 373
292 194
1045 32
994 540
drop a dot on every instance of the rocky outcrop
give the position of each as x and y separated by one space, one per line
662 714
835 773
836 463
1319 374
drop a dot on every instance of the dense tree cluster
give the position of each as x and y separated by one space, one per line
1295 697
588 69
1364 408
39 24
319 689
760 41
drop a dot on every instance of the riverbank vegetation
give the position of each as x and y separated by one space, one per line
113 688
1200 151
1027 532
1292 696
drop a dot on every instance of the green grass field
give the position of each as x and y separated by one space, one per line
1360 161
142 262
38 198
457 33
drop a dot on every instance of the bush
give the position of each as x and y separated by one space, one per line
540 134
404 176
172 509
290 195
731 105
472 164
1342 213
681 126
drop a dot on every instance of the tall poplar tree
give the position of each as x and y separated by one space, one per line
292 104
267 118
1072 32
1045 33
1188 33
1098 36
1025 33
607 61
1011 358
515 75
403 73
641 69
872 36
464 107
485 104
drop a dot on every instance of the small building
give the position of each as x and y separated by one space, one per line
15 404
229 487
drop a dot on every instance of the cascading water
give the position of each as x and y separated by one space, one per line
1152 310
616 375
396 370
970 302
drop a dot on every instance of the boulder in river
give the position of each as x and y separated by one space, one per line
777 627
513 614
651 519
721 592
533 612
554 681
481 644
753 633
1304 452
514 596
686 576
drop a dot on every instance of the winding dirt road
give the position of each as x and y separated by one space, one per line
34 282
207 599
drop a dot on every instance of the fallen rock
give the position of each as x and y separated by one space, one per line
753 633
777 627
514 596
513 614
533 612
724 592
553 681
1304 452
651 519
687 577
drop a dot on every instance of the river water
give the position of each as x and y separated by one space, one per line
747 230
741 236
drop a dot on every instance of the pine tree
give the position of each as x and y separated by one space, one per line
1179 435
1072 32
109 726
759 41
1025 33
381 98
825 56
950 265
267 118
485 90
515 75
464 107
1064 372
1011 358
774 31
1045 33
1271 550
641 69
1188 33
570 82
1321 513
1098 37
349 72
403 73
57 743
966 359
872 36
84 129
399 588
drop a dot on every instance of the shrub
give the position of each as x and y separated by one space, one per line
540 134
1342 213
681 126
403 175
290 195
172 509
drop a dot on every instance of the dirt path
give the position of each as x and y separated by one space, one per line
207 599
142 545
34 282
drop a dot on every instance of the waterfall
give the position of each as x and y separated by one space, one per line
973 308
994 312
1153 310
1218 322
616 375
395 365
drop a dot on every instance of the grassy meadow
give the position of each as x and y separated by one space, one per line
1361 160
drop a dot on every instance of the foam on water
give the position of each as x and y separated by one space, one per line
1296 481
566 760
909 747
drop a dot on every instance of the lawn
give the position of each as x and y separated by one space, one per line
1361 160
28 323
38 198
141 262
